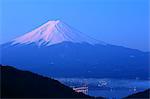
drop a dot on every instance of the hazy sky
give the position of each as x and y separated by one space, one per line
119 22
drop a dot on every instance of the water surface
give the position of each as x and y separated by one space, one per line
111 88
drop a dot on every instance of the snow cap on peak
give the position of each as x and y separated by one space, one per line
53 32
53 22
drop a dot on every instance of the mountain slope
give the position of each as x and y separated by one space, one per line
69 53
79 60
140 95
23 84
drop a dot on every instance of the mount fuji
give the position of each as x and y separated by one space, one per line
53 32
58 50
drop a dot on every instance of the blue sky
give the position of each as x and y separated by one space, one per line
119 22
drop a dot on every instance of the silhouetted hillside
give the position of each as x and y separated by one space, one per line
142 95
24 84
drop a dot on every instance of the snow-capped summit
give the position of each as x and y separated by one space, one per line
53 32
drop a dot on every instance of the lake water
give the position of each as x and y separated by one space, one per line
110 88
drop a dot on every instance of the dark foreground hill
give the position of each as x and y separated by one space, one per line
24 84
140 95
